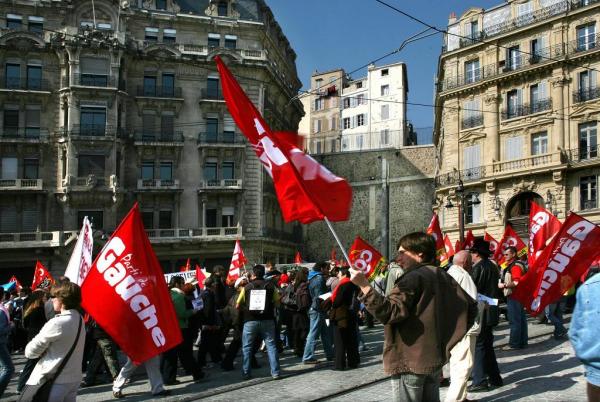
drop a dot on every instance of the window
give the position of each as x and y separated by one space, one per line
359 84
147 170
211 218
385 112
210 170
212 129
212 88
32 121
587 192
588 145
333 144
317 126
166 171
586 37
36 25
385 72
11 122
319 146
30 216
8 219
168 84
472 161
384 137
169 36
148 219
93 121
227 217
151 34
513 103
161 4
227 170
333 123
587 86
96 218
513 148
473 211
360 120
319 104
90 164
165 219
360 99
13 75
539 143
149 85
214 40
230 41
346 103
167 126
385 90
473 29
346 122
34 77
148 128
94 71
31 168
222 9
228 129
359 142
104 26
14 21
9 168
472 71
536 50
513 58
318 82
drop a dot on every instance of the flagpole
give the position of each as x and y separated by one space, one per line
338 241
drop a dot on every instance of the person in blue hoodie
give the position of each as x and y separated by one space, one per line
318 325
584 333
6 365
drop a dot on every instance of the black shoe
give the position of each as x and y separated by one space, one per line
483 387
174 382
164 392
497 383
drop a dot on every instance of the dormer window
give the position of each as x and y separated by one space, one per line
222 10
151 34
169 35
230 41
14 21
214 40
36 24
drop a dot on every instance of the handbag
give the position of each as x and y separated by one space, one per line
41 392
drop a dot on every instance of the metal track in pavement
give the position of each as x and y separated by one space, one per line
350 390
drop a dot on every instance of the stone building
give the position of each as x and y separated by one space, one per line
517 110
109 103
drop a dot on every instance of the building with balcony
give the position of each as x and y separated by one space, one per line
517 110
105 104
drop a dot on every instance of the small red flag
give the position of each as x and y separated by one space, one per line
542 228
238 260
493 243
469 240
448 246
187 266
126 293
41 277
200 276
510 238
298 258
436 232
457 246
366 258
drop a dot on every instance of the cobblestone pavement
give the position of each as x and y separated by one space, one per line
546 371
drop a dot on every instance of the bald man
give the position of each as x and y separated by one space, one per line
461 355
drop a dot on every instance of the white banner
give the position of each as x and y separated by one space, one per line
187 275
81 259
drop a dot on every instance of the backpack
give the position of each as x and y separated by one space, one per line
303 299
289 298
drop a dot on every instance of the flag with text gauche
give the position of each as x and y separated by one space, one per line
125 292
41 277
560 264
542 227
436 232
306 190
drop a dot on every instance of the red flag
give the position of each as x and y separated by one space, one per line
542 227
125 292
298 258
238 260
200 276
17 283
41 277
457 246
469 240
510 238
448 246
493 243
560 264
434 230
366 258
186 267
306 190
333 255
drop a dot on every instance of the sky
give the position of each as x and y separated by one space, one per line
328 34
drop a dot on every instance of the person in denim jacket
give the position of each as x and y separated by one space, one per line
584 333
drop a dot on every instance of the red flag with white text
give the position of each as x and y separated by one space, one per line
306 190
560 264
41 277
542 227
366 258
436 232
126 293
448 246
493 243
238 260
510 238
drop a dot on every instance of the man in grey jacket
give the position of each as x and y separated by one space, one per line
6 366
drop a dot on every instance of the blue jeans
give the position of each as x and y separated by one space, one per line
554 314
6 367
518 324
318 327
410 387
266 329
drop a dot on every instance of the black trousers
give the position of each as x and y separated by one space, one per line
209 343
346 346
184 353
485 366
26 373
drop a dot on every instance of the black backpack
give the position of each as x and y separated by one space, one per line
289 298
303 299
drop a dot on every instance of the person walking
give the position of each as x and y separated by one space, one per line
426 314
343 317
152 367
510 278
105 351
6 365
486 276
317 326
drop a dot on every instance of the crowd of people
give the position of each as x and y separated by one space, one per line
438 325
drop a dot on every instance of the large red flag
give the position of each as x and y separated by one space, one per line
298 258
41 277
448 246
434 230
366 258
493 243
126 293
542 227
560 264
306 190
469 240
510 238
238 260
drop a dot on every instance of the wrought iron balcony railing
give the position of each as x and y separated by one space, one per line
525 110
95 80
472 121
158 136
91 130
586 94
583 154
28 133
227 137
159 91
211 94
26 84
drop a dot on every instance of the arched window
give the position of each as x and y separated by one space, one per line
517 212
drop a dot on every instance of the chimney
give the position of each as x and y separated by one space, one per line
452 18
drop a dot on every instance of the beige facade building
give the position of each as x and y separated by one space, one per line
109 103
517 114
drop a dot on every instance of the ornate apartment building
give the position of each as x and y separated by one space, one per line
517 111
106 103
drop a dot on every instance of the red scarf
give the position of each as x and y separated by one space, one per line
344 280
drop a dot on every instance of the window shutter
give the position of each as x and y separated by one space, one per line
91 65
543 44
9 168
543 90
472 157
514 148
228 124
30 220
477 212
592 78
8 219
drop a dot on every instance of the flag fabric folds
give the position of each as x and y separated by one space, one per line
186 267
493 243
560 264
448 246
306 190
436 232
126 293
510 238
298 258
469 240
41 277
238 260
81 258
200 276
542 227
366 258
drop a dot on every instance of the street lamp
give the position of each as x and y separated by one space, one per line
466 199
